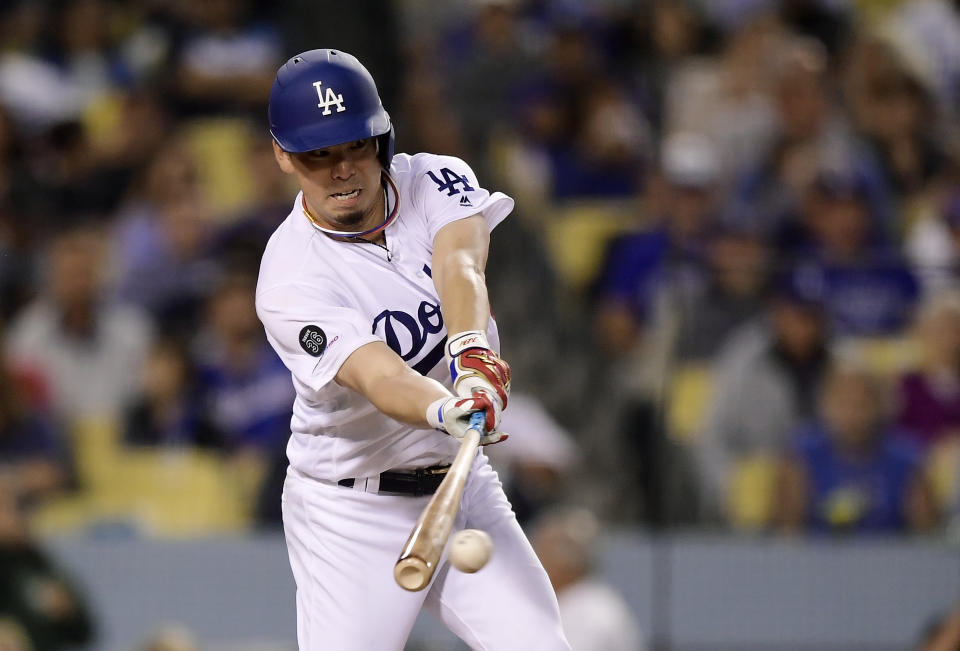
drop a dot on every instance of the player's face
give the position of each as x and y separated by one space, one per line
341 183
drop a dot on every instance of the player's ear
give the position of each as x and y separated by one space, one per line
283 158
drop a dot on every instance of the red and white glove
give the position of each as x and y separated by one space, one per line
452 415
474 366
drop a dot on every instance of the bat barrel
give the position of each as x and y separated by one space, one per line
423 549
412 573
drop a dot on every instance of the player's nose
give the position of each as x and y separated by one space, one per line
343 169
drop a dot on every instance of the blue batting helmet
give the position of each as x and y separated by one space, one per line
322 98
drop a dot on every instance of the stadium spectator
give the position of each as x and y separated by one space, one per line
226 60
610 148
32 455
928 35
669 253
893 110
16 248
582 132
245 388
808 126
31 87
72 180
161 243
733 294
929 397
727 97
850 471
655 41
868 288
487 61
594 616
83 50
766 379
84 346
168 411
132 131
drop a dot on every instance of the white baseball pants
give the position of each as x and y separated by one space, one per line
343 544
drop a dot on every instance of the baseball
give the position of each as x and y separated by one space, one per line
470 550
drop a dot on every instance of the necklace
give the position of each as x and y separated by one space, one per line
387 218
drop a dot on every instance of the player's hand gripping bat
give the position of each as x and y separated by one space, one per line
423 548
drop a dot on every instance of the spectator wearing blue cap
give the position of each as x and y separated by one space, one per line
734 292
868 290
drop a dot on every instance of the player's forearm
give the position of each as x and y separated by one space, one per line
377 373
463 295
406 397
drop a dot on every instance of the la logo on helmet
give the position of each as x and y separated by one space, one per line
329 99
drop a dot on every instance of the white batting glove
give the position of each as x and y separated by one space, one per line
474 366
452 415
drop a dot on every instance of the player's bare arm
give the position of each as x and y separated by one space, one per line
459 260
377 373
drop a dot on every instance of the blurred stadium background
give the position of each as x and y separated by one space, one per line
728 294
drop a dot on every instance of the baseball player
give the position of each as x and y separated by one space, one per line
372 292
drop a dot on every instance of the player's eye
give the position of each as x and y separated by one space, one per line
319 153
358 144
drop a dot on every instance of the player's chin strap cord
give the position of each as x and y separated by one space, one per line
387 217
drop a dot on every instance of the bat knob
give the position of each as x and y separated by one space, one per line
412 574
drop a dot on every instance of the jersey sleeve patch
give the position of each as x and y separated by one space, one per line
313 340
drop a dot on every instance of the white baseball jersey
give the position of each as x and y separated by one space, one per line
321 298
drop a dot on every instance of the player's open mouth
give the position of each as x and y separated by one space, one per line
346 196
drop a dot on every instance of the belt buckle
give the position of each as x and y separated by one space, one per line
423 473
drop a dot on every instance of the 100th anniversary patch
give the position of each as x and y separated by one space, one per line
313 340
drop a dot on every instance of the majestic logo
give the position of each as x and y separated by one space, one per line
313 340
465 201
328 99
450 182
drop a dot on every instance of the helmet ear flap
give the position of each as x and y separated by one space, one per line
385 148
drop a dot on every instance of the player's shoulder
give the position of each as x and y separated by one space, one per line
283 241
286 252
421 176
418 167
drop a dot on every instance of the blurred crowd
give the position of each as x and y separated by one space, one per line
728 288
729 291
749 213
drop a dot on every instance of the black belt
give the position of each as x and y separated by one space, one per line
418 482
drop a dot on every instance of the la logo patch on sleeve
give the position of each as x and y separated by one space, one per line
313 340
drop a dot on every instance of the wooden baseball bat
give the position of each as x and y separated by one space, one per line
423 548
